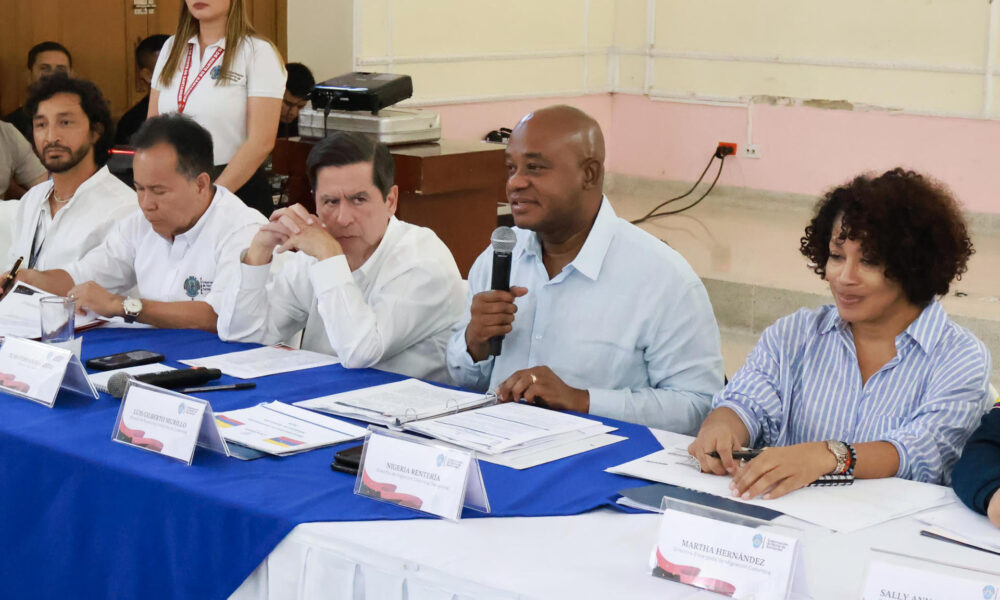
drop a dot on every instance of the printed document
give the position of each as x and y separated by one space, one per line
397 403
260 362
841 508
20 315
504 427
279 428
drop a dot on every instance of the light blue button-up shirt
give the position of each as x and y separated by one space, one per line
628 320
802 383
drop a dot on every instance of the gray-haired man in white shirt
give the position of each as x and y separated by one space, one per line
364 286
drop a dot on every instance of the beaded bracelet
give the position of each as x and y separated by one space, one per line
852 460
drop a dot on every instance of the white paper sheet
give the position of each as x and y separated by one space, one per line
396 403
260 362
503 427
552 451
20 315
962 524
100 380
279 428
866 503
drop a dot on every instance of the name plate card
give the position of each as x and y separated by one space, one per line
166 422
37 371
727 558
420 474
888 581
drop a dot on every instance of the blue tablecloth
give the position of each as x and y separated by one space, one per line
83 517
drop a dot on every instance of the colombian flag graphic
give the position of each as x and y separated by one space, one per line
284 441
224 421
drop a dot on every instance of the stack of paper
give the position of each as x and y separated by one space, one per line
393 404
866 503
100 380
508 427
20 315
259 362
281 429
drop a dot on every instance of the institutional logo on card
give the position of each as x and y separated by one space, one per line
440 459
758 540
989 592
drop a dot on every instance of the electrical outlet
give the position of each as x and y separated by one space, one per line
751 151
725 149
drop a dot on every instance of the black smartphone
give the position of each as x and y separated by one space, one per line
348 460
131 358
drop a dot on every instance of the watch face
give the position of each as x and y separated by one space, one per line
838 448
132 305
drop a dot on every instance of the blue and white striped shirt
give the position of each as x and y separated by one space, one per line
802 383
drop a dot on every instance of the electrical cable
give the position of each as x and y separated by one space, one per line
326 114
722 162
650 214
653 214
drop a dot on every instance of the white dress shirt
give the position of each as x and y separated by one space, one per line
394 313
80 225
195 266
257 71
628 320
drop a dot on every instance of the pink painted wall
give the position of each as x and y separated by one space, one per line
804 150
473 121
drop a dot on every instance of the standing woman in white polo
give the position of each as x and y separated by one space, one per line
216 70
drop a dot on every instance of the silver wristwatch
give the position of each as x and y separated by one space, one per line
132 307
841 453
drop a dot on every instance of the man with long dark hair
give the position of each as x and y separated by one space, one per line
62 218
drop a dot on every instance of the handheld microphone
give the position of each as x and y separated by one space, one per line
178 378
503 241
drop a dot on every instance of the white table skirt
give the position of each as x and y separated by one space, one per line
602 554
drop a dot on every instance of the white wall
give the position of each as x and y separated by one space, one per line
927 56
321 36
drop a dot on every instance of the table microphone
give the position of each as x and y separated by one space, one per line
503 241
177 378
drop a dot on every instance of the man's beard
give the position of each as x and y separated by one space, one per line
61 165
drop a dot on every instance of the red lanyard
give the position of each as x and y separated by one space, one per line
182 96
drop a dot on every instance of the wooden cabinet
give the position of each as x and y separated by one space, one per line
102 36
452 187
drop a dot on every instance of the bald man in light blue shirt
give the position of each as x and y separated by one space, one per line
601 317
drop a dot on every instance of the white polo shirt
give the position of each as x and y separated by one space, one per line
79 226
257 71
194 266
394 313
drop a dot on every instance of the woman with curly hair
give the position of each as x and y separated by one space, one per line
881 383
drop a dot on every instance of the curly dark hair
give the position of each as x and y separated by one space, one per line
91 101
905 221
